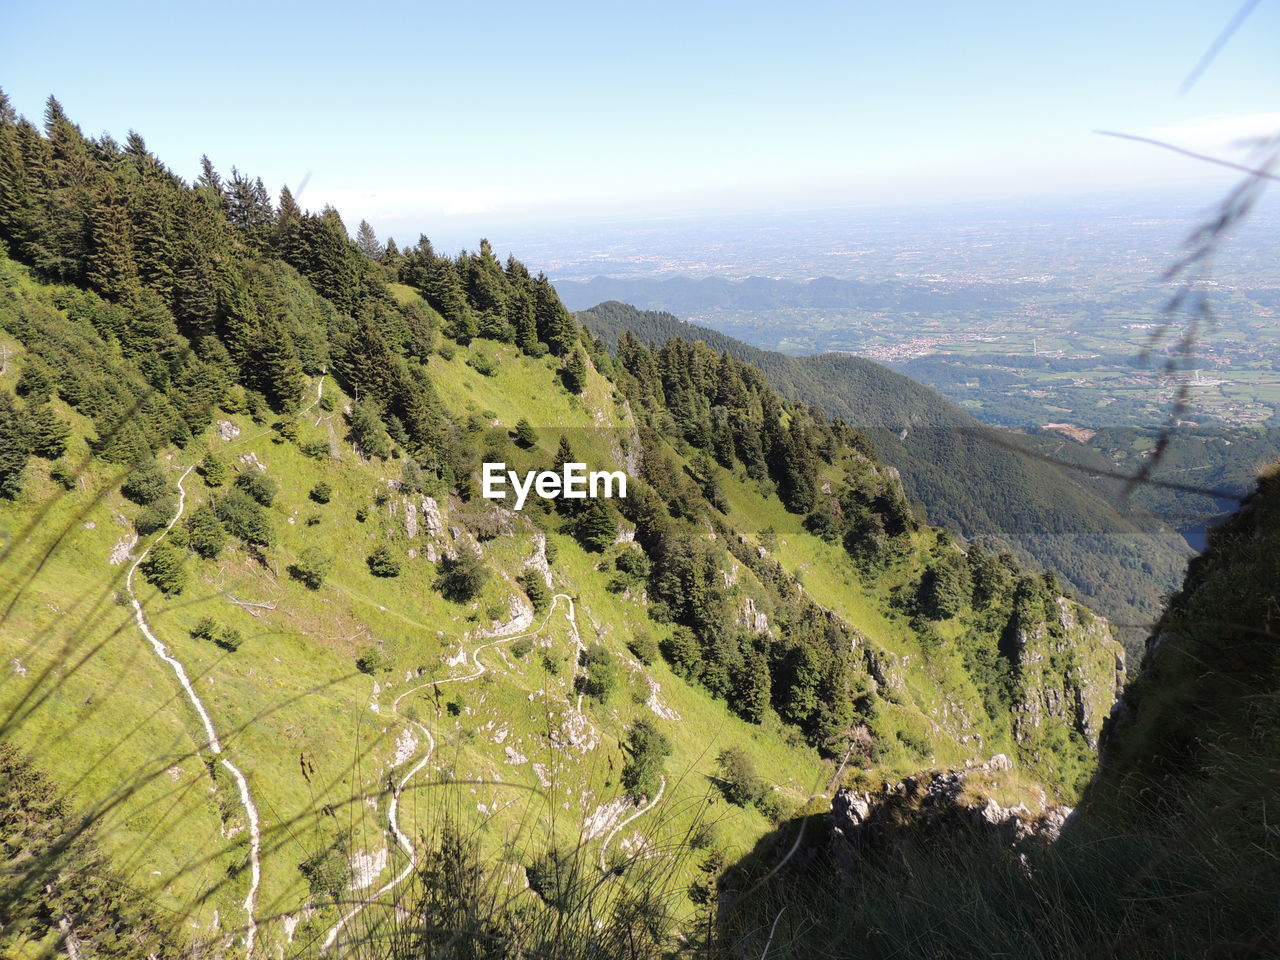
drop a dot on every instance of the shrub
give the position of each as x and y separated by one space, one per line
382 563
146 484
257 485
463 577
315 449
484 364
373 660
213 470
205 533
321 492
244 518
155 515
646 749
311 567
643 647
62 474
738 780
600 673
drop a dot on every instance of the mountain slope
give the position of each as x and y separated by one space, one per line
265 631
1120 560
1171 852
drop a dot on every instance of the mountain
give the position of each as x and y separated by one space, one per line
1169 854
983 483
297 683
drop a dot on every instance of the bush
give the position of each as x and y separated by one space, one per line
646 749
311 568
382 563
244 518
155 515
257 485
213 470
62 474
315 449
643 647
536 589
205 533
321 492
738 780
463 577
373 661
146 484
484 364
600 673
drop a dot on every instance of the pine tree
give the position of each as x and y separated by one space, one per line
526 435
392 258
555 327
275 369
111 267
752 687
46 434
575 372
367 242
205 533
646 749
14 447
164 567
596 527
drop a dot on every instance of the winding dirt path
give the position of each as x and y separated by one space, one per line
213 744
636 815
393 810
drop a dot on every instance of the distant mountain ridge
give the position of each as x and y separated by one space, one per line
690 294
1121 560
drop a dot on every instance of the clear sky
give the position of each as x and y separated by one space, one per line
463 117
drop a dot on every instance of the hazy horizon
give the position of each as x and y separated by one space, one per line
519 121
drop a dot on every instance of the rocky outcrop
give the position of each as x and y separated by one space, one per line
866 825
1069 668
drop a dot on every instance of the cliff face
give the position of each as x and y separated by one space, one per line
1069 670
989 798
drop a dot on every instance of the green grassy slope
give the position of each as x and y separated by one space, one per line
1121 561
317 737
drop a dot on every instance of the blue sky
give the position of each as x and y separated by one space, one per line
458 118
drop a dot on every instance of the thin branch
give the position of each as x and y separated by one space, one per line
1216 47
1243 168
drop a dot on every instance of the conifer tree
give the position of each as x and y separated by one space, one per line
275 369
597 525
555 327
526 435
111 266
14 447
575 372
367 242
